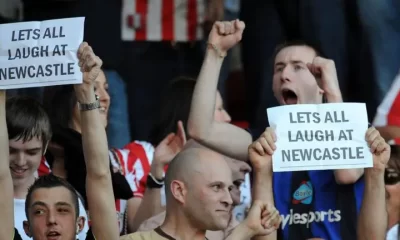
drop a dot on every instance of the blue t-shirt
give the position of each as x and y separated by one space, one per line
312 204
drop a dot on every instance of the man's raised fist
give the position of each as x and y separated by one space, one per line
225 35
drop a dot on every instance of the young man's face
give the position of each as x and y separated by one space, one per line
52 215
25 159
293 83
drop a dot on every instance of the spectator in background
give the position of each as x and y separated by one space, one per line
10 11
102 30
162 40
175 106
29 133
321 24
381 28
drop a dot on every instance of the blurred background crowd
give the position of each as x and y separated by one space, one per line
145 44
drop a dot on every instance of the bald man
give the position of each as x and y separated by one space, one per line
239 169
198 199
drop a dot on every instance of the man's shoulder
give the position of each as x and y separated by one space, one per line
148 235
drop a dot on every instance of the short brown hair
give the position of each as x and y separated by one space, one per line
26 119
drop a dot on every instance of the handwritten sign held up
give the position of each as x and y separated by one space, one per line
320 137
37 54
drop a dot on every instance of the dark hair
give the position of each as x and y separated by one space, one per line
395 156
26 119
51 181
174 106
295 43
59 102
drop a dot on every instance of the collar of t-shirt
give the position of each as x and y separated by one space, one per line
163 234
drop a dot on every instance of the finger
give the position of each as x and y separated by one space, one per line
228 28
168 139
269 136
239 28
265 145
234 27
368 133
220 27
310 67
81 48
86 51
271 131
259 148
265 213
273 219
90 62
381 147
181 132
374 135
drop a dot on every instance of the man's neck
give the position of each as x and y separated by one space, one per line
21 189
178 226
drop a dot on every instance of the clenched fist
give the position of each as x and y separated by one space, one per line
263 219
89 63
325 70
225 35
379 149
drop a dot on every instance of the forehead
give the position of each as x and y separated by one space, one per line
215 171
295 53
35 142
52 196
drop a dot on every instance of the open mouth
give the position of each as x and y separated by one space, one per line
289 97
53 235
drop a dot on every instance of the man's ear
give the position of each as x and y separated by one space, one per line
80 224
178 190
27 229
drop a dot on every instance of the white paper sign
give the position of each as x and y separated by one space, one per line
37 54
320 137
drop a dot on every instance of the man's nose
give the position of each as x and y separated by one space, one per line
51 218
20 159
285 74
227 198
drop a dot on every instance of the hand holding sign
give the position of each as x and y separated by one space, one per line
89 63
261 151
379 148
320 137
225 35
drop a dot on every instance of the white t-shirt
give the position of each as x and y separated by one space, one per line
392 233
20 217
